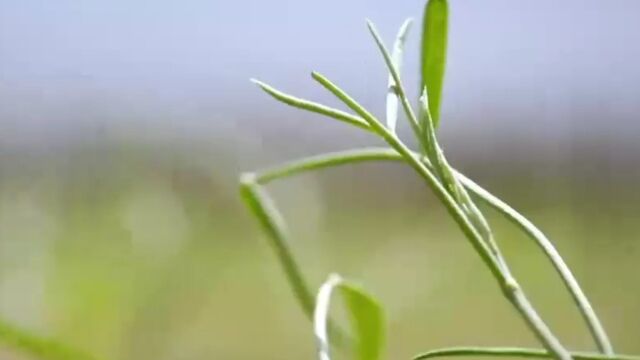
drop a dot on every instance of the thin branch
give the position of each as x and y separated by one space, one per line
385 154
515 352
262 206
331 159
264 209
580 299
508 285
312 106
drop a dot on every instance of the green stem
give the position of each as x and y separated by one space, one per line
325 160
385 154
580 299
264 209
515 352
509 286
446 173
414 160
311 106
425 135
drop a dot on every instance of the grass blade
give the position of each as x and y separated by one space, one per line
311 106
263 208
365 315
396 60
514 352
395 75
347 100
434 52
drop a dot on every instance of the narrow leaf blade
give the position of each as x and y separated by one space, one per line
396 58
434 52
264 210
398 88
311 106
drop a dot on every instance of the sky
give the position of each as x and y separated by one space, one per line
70 66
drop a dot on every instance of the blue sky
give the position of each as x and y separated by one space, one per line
191 58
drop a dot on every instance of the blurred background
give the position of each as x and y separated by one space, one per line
124 126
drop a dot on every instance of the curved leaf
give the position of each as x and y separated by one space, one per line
396 57
434 52
264 210
311 106
365 315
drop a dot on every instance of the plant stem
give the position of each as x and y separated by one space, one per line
331 159
507 283
311 106
446 173
425 133
515 352
580 299
263 208
386 154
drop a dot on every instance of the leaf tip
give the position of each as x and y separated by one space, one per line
257 82
247 179
334 278
406 25
424 97
316 75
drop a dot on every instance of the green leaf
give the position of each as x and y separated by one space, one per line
365 315
311 106
434 52
396 58
264 210
394 73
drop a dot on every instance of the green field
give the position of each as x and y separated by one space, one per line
136 256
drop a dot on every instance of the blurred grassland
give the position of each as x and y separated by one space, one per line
134 253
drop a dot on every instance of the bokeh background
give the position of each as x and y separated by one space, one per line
124 126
